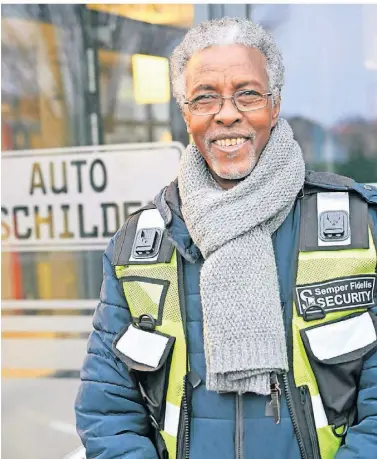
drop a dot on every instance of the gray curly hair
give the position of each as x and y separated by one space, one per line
226 31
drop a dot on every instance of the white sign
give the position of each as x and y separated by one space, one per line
77 198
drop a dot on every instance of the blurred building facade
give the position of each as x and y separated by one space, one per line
97 74
81 75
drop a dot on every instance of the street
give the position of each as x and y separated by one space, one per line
42 352
38 420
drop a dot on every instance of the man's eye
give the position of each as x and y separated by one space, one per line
249 92
249 98
203 98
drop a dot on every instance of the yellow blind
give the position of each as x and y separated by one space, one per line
154 13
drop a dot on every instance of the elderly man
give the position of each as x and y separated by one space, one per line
237 314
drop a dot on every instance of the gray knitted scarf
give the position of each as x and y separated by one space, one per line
244 337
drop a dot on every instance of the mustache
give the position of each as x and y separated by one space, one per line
210 137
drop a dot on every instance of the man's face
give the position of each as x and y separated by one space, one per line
225 70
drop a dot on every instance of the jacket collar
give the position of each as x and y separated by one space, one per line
169 205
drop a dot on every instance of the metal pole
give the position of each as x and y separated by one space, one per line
94 122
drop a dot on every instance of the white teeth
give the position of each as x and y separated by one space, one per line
228 142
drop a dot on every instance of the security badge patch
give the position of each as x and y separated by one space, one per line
336 295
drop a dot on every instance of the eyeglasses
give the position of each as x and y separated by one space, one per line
244 101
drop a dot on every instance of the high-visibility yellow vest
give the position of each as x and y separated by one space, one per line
342 279
163 301
323 301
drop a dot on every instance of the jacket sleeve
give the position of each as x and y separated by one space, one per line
110 417
361 439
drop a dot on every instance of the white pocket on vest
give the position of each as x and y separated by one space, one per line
342 337
142 346
336 351
147 355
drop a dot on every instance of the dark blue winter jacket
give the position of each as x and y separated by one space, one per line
111 419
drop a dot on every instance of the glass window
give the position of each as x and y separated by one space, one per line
161 134
39 106
161 112
50 97
117 99
127 119
51 275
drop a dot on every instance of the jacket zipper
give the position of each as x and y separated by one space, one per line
305 400
288 324
183 437
186 423
293 417
191 381
239 427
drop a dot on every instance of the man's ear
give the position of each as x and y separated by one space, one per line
275 113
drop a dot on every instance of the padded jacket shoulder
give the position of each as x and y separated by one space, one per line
327 181
333 182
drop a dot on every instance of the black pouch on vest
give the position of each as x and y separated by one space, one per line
147 354
336 351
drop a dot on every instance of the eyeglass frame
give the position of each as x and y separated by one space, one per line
268 94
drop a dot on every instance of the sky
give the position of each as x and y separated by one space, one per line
325 48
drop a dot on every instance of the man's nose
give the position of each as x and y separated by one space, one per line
229 114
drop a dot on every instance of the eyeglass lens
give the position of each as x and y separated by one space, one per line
211 103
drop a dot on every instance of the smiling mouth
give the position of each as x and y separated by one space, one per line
231 145
232 141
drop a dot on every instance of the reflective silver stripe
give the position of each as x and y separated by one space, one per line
339 338
149 218
171 419
338 201
320 417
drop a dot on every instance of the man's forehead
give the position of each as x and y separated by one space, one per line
205 66
214 62
221 54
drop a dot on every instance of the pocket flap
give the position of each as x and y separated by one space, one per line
142 350
342 340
